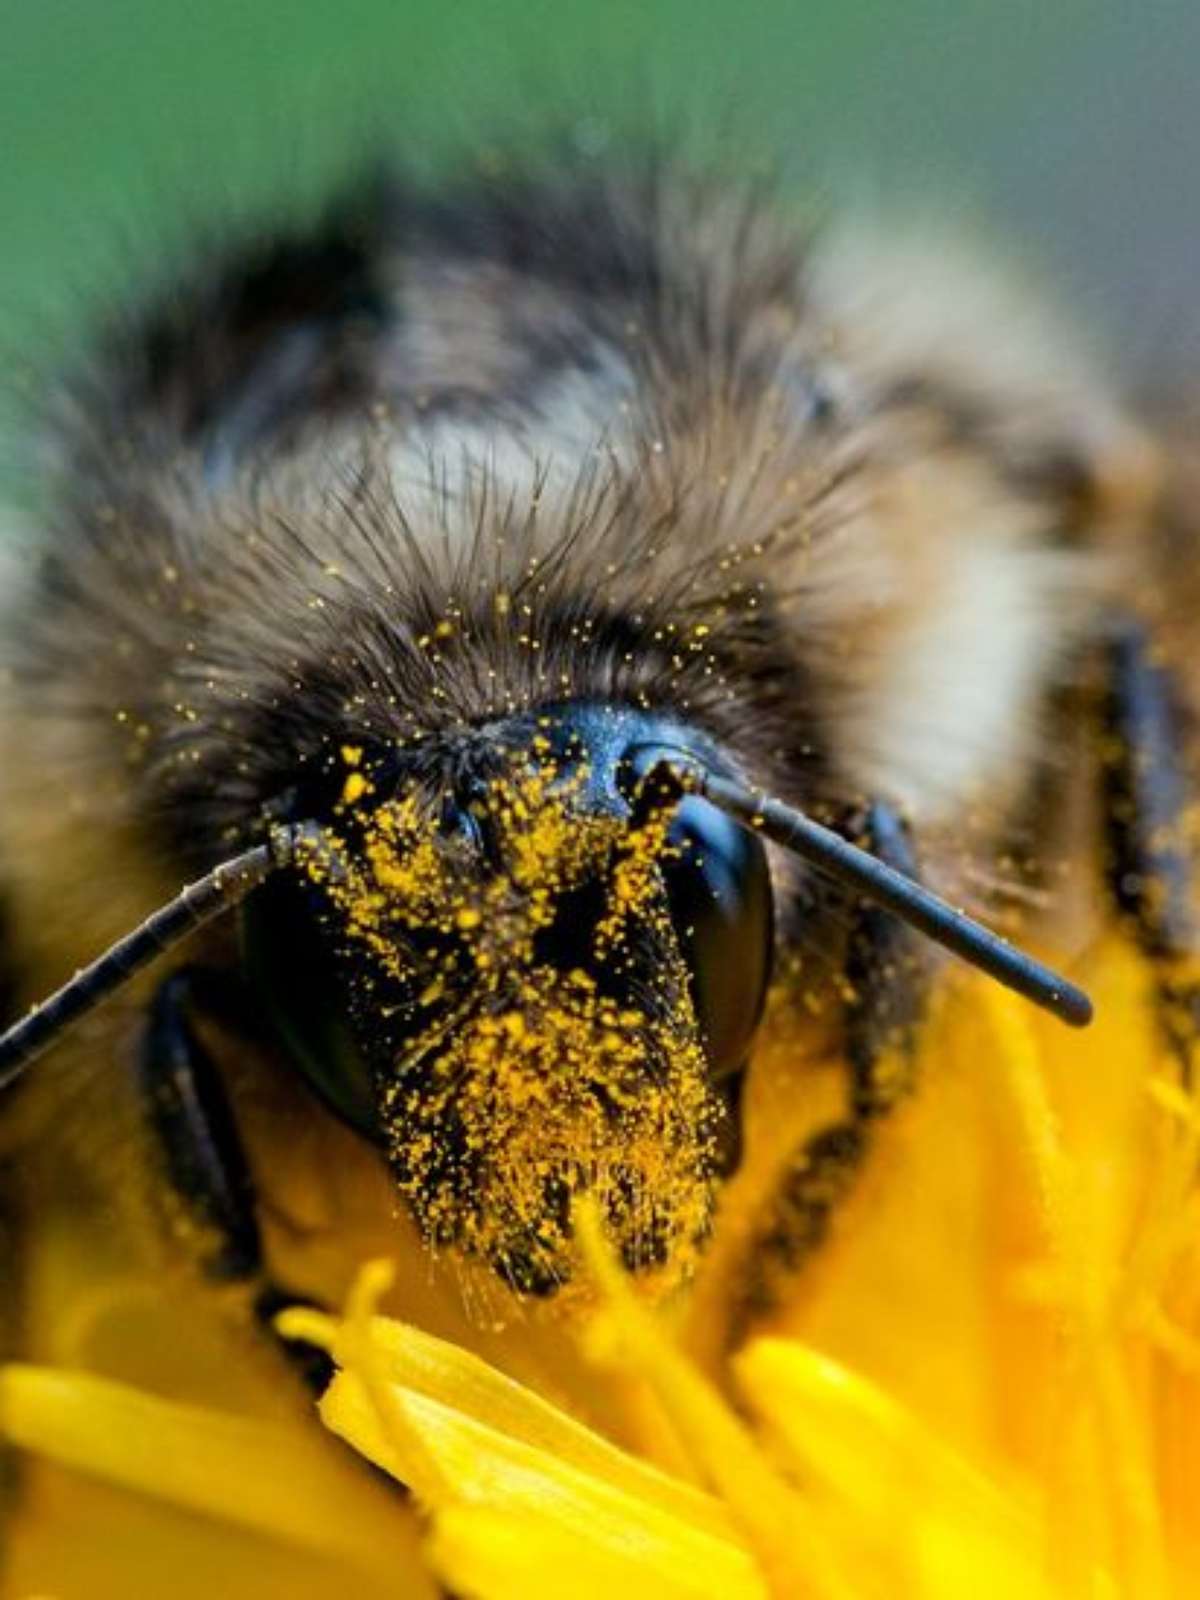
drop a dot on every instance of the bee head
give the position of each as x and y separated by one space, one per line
524 970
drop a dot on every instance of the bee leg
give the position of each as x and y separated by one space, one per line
888 976
887 982
190 1113
1145 799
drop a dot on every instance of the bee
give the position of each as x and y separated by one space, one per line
552 617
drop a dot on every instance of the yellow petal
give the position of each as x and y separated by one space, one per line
279 1481
488 1555
442 1371
898 1482
488 1469
792 1549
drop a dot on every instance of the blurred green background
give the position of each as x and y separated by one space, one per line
1073 121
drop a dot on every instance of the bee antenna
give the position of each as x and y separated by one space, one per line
875 880
229 883
226 886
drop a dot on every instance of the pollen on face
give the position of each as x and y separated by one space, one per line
522 1078
354 788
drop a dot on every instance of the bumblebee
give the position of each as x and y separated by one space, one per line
446 578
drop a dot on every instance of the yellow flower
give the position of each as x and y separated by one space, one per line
987 1382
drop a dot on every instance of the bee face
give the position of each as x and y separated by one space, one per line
524 980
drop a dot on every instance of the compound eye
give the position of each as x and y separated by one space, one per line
288 965
720 893
719 888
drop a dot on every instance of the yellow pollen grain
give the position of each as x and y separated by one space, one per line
354 788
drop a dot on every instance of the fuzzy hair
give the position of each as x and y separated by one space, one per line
618 435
